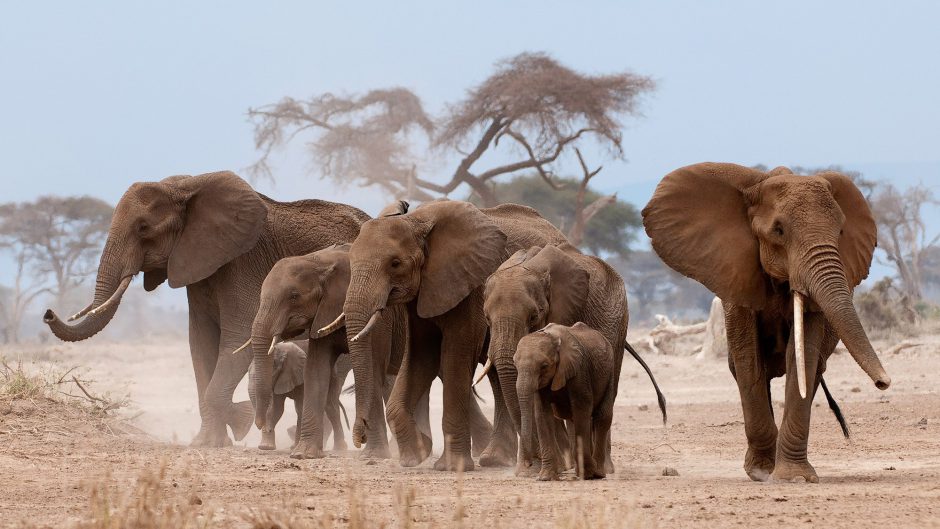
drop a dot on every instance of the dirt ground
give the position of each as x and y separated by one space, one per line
888 475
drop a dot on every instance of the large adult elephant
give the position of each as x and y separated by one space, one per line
552 284
435 260
783 252
218 237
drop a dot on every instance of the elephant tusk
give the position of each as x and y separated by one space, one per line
799 342
371 323
117 294
486 368
242 347
82 312
274 341
336 324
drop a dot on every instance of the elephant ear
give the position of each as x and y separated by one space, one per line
463 247
290 373
399 207
224 217
699 226
333 275
859 233
569 354
569 283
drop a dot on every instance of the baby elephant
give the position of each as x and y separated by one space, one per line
289 360
568 373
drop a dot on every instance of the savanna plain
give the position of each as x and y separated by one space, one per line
118 455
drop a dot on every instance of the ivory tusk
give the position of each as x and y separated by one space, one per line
242 347
336 324
486 368
799 342
82 312
274 341
117 294
371 323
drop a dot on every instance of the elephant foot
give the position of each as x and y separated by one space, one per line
454 462
794 472
412 454
306 449
497 455
528 469
267 441
241 417
609 467
379 452
759 464
594 474
548 473
211 438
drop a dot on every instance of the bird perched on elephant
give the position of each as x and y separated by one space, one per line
552 284
301 297
567 373
218 237
783 252
434 260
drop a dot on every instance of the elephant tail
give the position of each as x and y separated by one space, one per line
345 417
834 406
659 394
350 389
477 395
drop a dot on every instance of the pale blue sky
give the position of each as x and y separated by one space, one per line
96 95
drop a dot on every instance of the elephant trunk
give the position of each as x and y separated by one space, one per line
828 287
264 336
114 276
364 299
526 392
505 334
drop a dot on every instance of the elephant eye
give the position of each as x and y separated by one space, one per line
294 296
777 229
143 228
396 262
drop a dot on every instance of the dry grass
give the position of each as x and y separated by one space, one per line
54 384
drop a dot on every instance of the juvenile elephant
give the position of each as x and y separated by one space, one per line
434 261
783 252
552 284
218 237
568 373
301 297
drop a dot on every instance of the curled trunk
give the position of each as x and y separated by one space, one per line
113 278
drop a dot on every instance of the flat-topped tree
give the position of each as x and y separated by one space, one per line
526 115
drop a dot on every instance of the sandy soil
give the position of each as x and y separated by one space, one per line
887 475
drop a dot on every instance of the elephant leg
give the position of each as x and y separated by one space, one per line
503 442
298 397
275 412
229 371
753 380
584 445
545 432
792 463
204 349
563 444
422 414
419 368
458 354
334 423
317 371
601 431
481 431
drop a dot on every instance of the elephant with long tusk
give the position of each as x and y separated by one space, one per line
783 252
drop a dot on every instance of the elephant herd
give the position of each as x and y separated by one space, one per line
410 296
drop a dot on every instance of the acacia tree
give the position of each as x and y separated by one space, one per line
524 117
902 233
53 242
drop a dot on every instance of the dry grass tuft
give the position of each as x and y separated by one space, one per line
54 384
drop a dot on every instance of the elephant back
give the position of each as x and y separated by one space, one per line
524 227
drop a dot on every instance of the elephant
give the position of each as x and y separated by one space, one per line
568 373
434 260
218 237
783 252
300 297
552 284
288 377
